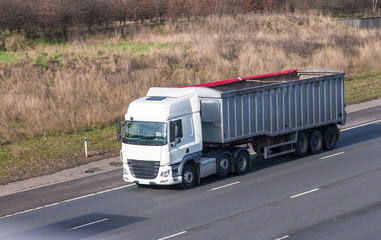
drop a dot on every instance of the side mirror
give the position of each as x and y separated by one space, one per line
177 134
118 128
177 131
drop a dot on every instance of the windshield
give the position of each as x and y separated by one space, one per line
145 133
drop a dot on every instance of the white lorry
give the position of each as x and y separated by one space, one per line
180 135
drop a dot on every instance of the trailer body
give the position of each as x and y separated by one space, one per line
271 109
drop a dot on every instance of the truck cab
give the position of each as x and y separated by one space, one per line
160 129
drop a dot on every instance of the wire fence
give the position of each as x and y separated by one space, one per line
363 23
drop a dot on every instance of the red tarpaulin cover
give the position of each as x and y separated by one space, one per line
223 82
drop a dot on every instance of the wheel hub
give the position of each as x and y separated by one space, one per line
188 177
224 163
241 163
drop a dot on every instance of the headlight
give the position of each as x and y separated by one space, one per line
165 173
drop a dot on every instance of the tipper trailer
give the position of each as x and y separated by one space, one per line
180 135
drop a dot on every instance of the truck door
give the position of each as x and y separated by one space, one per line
176 140
181 138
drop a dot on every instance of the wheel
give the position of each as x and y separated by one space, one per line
301 147
329 138
223 165
242 163
189 177
315 142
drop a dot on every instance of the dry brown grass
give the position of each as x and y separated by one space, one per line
90 82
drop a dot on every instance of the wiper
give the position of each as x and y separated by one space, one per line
155 143
159 143
149 137
133 141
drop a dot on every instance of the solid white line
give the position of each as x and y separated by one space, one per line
333 155
281 238
227 185
361 125
304 193
88 224
66 201
173 235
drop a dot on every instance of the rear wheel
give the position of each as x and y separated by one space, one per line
223 165
242 163
315 142
189 177
329 138
301 147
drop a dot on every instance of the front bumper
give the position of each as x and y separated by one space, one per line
164 177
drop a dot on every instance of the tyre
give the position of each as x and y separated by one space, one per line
329 138
223 165
242 163
189 177
301 147
315 141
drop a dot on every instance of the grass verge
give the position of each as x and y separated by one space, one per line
7 57
362 87
36 156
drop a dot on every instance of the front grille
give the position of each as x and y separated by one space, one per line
144 169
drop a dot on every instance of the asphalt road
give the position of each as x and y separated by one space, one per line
330 195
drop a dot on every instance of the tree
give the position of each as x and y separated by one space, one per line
176 9
146 10
251 5
29 20
351 6
121 8
374 6
234 7
229 7
133 11
160 8
63 17
91 12
45 15
11 14
200 8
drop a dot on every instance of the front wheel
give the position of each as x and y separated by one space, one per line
189 177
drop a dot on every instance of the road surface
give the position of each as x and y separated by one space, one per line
330 195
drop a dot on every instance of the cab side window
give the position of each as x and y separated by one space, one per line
173 125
